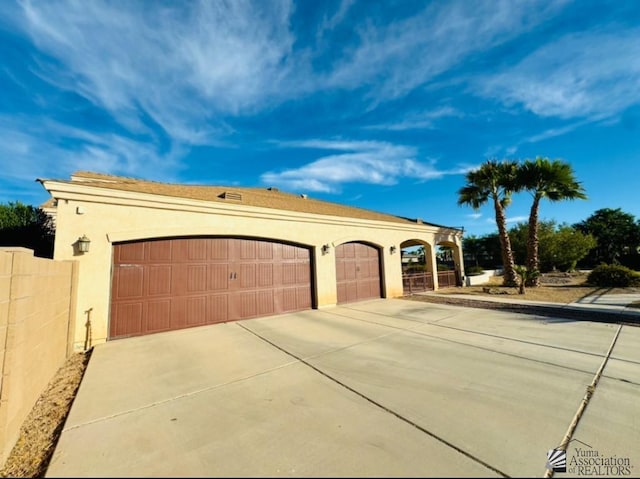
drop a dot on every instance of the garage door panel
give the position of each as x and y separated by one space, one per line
265 250
158 280
248 249
187 282
244 305
303 273
288 274
246 276
218 277
159 251
126 319
195 310
350 271
303 298
198 250
357 272
158 315
265 275
219 249
196 275
130 252
368 289
342 292
129 282
362 290
217 308
368 252
289 300
362 269
352 291
341 274
288 251
349 250
266 302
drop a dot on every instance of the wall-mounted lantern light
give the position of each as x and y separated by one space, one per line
83 244
393 249
325 249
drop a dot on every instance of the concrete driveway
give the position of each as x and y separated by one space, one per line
373 389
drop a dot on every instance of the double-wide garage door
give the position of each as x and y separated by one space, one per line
162 285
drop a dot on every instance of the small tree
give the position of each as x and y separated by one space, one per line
617 234
567 248
27 226
526 275
560 247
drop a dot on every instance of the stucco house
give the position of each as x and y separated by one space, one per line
169 256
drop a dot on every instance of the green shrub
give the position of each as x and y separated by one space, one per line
613 275
474 270
443 267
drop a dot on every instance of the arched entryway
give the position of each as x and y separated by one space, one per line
417 271
448 264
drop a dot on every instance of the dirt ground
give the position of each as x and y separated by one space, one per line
39 435
40 432
554 288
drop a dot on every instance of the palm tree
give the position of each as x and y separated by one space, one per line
544 178
494 180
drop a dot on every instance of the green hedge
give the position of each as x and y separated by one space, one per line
474 270
613 275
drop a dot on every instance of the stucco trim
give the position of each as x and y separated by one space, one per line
88 194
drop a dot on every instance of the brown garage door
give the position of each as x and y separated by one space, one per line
357 272
167 284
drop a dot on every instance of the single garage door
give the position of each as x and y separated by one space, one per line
167 284
357 272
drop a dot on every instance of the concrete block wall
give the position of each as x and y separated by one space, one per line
37 305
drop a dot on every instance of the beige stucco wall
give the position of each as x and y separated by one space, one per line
36 314
112 216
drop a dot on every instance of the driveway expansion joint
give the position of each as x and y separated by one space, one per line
591 389
382 407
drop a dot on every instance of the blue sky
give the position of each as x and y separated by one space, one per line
382 105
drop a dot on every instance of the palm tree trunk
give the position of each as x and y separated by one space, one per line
510 276
533 261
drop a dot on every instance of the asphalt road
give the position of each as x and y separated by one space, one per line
384 388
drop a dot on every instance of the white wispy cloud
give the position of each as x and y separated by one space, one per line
190 67
474 216
585 75
329 23
183 65
415 121
509 151
406 54
373 162
41 149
